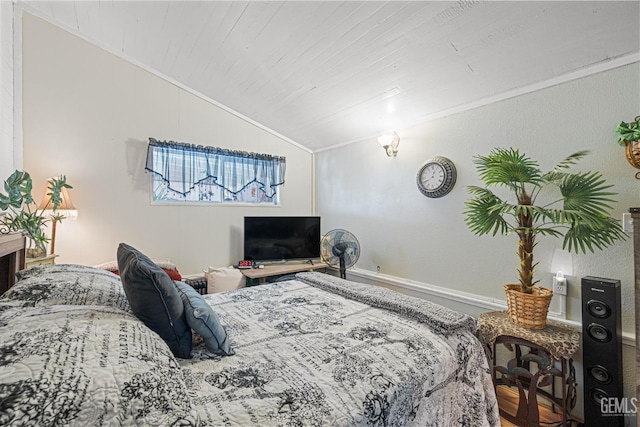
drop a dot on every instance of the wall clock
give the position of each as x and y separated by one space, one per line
437 177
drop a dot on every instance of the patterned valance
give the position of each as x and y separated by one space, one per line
182 166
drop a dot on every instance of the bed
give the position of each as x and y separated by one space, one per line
312 351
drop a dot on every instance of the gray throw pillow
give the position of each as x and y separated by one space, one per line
154 299
204 321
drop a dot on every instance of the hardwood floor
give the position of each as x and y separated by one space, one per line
508 401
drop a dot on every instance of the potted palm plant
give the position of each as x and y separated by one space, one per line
22 214
576 207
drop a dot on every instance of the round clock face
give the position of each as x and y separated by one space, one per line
436 177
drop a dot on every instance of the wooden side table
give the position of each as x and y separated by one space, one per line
43 260
550 349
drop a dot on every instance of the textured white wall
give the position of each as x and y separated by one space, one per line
412 237
88 115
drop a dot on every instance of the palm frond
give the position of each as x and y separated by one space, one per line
597 235
555 177
483 215
540 230
561 216
570 160
532 211
587 193
507 167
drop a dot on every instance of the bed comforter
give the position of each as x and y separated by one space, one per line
321 351
314 351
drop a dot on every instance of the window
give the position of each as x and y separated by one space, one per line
185 173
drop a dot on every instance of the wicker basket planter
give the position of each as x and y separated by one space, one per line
528 310
632 150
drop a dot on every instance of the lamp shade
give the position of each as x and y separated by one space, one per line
65 208
385 140
390 143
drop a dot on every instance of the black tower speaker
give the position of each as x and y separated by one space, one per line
601 349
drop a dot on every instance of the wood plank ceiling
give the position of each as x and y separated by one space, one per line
324 73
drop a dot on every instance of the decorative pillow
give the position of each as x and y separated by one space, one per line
154 299
87 366
67 284
224 279
204 321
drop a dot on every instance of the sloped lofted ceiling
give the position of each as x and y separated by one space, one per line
324 73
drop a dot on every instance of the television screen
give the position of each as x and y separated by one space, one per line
270 238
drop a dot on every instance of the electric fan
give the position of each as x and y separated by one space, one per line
340 247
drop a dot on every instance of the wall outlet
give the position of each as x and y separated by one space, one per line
559 285
627 223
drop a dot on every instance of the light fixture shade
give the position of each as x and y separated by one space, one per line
385 140
390 143
65 209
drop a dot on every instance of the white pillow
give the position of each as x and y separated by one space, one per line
223 279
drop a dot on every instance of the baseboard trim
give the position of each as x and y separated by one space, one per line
425 290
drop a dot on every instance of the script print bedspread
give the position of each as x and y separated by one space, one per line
308 356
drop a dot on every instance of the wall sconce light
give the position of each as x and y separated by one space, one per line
65 210
390 143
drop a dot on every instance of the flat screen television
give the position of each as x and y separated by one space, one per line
276 238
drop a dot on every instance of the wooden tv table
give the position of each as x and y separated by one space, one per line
256 276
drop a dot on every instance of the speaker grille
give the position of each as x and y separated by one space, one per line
597 395
598 309
599 332
600 374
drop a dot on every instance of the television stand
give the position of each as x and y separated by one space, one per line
256 276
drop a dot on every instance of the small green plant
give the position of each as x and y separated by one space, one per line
578 209
629 131
23 214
